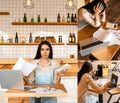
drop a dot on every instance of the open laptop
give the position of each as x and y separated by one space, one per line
11 79
114 80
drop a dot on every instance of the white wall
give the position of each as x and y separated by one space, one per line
46 8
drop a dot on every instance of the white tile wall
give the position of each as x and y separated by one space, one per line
46 8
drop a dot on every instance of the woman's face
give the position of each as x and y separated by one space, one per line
45 51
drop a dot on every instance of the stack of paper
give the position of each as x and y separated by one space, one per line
25 67
103 35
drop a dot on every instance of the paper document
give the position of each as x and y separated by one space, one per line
63 68
103 35
25 67
47 90
102 82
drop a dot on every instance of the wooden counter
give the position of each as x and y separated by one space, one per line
8 63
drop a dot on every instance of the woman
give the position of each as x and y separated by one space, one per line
85 79
44 72
92 13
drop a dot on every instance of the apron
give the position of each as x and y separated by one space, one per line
43 77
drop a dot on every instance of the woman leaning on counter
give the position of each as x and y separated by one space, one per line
44 72
85 79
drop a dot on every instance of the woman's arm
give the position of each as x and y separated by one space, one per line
103 16
96 87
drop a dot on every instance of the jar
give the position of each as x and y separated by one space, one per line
60 39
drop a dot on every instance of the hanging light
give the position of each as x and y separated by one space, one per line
28 4
70 6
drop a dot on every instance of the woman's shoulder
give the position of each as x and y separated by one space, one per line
86 75
54 61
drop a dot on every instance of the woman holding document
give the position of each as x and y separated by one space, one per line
44 72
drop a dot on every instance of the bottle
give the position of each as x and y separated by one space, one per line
60 39
58 18
70 38
38 19
30 38
32 19
73 38
45 20
72 18
75 18
16 38
63 19
2 39
68 18
25 18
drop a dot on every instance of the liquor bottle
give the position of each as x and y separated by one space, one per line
70 38
25 18
58 18
73 38
75 18
30 38
63 19
38 19
45 20
32 19
16 38
68 18
72 18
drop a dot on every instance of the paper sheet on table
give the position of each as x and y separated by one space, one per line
41 90
103 35
102 82
25 67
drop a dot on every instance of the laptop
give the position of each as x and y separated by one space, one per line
11 79
114 80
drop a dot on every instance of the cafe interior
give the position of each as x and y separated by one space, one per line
25 23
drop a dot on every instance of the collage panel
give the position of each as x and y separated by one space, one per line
98 51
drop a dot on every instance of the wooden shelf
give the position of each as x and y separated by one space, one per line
42 23
4 13
28 43
71 43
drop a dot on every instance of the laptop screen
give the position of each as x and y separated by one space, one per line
114 80
11 79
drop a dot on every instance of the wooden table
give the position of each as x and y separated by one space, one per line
107 53
23 93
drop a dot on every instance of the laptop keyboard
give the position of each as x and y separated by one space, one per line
92 44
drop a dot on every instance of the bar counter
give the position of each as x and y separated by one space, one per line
8 63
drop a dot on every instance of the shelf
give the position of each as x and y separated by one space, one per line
4 13
71 43
42 23
28 43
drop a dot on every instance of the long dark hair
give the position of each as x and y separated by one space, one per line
38 54
89 7
86 68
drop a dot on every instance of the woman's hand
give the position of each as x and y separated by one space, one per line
107 85
97 9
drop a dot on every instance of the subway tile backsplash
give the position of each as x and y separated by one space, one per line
46 8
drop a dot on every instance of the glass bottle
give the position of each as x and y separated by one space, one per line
16 38
72 18
30 38
60 39
70 38
68 18
38 19
63 19
75 18
58 18
25 18
73 38
32 19
45 20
